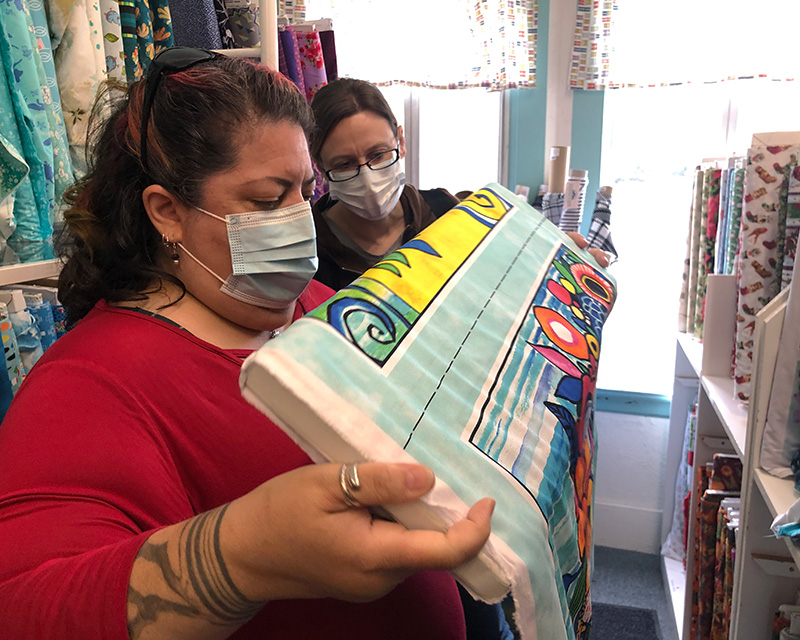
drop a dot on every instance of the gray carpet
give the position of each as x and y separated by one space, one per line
632 579
615 622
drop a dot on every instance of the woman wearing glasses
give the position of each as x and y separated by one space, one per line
369 210
140 495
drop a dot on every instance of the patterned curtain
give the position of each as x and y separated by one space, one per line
448 44
591 45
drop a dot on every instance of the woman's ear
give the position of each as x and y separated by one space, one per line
401 141
165 211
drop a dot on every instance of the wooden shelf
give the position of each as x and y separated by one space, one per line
693 350
779 495
28 271
731 412
675 582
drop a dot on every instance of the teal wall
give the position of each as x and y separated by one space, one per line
527 110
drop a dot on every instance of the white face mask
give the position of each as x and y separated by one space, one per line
273 255
371 194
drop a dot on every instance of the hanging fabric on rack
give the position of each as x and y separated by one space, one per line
112 39
163 37
312 63
194 24
13 173
766 193
80 67
291 53
244 23
223 24
144 34
27 128
328 42
127 15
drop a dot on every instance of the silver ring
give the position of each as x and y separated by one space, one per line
349 482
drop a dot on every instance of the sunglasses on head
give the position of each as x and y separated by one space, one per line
165 63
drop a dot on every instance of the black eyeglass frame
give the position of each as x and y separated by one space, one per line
169 61
367 164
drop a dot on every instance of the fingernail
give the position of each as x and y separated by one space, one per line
417 477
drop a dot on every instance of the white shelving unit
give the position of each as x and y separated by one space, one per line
29 271
766 568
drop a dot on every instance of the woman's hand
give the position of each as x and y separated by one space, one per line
598 254
296 537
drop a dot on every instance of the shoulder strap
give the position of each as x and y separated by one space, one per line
438 200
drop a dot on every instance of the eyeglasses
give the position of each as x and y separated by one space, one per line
377 162
167 62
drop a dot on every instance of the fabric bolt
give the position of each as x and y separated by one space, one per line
13 170
127 15
26 85
766 189
42 314
112 39
553 206
726 474
194 24
312 64
163 38
10 349
707 542
59 319
600 229
223 23
282 67
6 393
62 164
328 42
791 228
737 200
694 238
705 253
144 33
244 25
591 48
701 482
292 54
722 223
717 630
730 543
80 67
574 198
28 340
508 359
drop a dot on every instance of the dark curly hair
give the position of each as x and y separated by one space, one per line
199 119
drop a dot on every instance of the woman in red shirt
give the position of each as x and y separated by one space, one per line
140 495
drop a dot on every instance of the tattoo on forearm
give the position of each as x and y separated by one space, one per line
201 582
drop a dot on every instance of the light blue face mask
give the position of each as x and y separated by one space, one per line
273 254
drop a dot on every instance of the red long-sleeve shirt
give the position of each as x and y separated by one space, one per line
129 424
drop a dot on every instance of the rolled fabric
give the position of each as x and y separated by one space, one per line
112 38
552 206
194 24
600 229
792 228
312 63
574 196
694 237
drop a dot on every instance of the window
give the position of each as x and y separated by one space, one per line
652 141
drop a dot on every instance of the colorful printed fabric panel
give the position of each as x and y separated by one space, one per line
10 349
223 22
683 302
722 222
510 64
792 227
244 25
707 553
706 242
735 226
591 48
701 480
766 195
112 39
474 348
130 47
312 64
163 37
30 125
694 244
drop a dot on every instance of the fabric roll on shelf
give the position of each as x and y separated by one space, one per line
600 229
695 231
574 197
